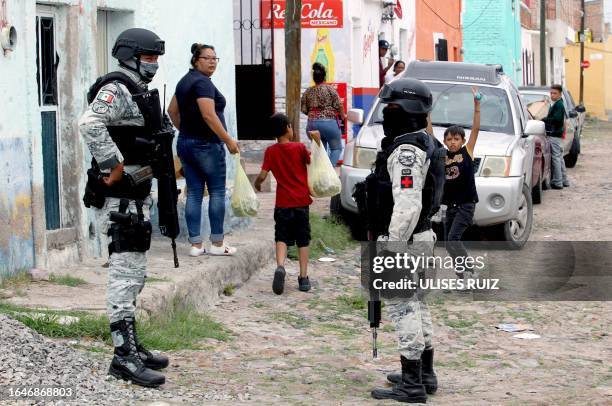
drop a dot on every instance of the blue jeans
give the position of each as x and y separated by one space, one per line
559 173
330 137
203 164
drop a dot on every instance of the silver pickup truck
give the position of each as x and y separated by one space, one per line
503 154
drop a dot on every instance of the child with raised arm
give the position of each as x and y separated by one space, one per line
460 194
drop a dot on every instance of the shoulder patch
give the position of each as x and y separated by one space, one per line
99 107
406 171
105 96
407 157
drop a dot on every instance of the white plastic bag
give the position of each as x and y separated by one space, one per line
244 199
322 178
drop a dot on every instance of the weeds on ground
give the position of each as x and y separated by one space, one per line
16 281
66 280
228 290
325 233
49 322
157 280
181 328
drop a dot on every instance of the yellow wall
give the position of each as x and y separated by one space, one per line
597 84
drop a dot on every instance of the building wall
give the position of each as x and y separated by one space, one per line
597 80
430 27
594 19
18 125
26 242
493 34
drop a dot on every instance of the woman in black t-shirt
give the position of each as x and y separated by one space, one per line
460 194
197 111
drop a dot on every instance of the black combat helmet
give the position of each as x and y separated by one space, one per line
412 95
134 42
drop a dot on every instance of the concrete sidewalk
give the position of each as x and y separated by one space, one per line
198 281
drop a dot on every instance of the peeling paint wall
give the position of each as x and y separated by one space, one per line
18 124
16 239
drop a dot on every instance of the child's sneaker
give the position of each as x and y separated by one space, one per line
304 283
278 285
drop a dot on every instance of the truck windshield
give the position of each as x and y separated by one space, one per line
453 105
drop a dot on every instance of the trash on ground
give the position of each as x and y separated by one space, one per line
326 259
526 336
325 247
514 328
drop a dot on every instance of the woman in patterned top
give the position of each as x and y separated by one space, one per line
321 103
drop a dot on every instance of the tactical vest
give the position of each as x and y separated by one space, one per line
134 142
374 195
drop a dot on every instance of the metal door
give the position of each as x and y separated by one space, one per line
254 70
47 61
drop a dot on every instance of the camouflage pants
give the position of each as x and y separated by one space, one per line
127 270
413 325
411 317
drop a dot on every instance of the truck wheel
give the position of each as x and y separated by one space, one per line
572 157
536 192
516 231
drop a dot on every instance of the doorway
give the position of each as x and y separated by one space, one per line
47 61
254 70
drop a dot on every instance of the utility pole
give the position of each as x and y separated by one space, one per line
582 39
293 63
543 42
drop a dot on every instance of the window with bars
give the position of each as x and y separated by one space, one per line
47 61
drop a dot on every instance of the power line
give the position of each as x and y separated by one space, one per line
440 17
453 26
481 13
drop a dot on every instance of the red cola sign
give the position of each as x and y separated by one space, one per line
315 13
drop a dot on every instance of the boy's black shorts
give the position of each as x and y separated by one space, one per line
292 226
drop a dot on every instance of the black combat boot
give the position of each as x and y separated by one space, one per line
126 363
428 376
410 389
150 360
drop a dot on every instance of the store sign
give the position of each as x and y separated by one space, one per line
315 13
398 10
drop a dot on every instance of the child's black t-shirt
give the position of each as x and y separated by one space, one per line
460 186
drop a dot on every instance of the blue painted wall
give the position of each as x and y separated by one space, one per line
16 240
492 34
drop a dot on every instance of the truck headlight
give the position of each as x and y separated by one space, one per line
496 166
364 158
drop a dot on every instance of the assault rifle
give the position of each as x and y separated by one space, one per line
162 162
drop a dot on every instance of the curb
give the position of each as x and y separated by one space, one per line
200 287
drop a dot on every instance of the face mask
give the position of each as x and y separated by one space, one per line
148 70
394 122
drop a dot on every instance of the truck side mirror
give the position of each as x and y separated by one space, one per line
355 116
534 127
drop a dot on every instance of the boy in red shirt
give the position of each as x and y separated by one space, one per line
287 161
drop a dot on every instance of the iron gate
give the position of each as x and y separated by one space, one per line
254 70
